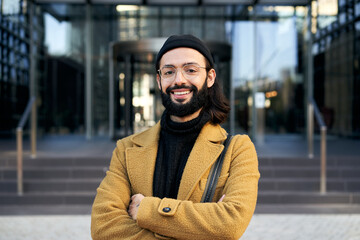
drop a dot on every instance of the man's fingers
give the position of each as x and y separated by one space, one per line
222 198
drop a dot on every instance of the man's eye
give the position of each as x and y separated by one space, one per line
191 70
168 72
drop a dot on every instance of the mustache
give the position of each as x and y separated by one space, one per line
192 87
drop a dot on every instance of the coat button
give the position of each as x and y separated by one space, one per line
166 209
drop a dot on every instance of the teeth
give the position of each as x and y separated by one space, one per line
181 93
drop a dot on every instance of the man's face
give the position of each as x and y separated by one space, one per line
183 96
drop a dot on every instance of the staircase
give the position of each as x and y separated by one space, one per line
297 180
70 181
53 180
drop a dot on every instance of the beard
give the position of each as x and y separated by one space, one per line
197 101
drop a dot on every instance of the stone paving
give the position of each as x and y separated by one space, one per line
45 227
303 227
262 227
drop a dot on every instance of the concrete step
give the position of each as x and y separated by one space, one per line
308 172
305 197
308 184
56 162
99 171
264 197
29 173
68 181
52 185
48 198
350 161
312 172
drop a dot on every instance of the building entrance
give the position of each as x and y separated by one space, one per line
134 98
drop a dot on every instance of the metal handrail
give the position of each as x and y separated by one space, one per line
313 108
19 145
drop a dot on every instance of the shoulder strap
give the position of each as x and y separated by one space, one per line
214 174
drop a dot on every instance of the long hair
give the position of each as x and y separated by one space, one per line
218 105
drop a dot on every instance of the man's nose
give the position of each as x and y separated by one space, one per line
179 77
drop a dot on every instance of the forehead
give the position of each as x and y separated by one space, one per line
180 56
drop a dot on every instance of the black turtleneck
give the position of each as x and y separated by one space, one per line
175 144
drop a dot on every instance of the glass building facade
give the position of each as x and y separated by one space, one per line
93 73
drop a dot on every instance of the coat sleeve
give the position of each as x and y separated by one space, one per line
225 220
109 217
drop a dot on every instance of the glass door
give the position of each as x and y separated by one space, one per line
145 99
135 97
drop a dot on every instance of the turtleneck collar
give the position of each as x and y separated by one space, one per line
192 126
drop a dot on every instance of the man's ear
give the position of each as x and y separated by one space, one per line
211 78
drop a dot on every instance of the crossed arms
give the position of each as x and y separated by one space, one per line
112 216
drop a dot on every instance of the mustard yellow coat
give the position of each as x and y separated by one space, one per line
131 171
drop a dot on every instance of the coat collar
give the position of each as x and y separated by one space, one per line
206 150
142 157
148 137
212 133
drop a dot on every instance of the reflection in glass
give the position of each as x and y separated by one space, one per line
268 56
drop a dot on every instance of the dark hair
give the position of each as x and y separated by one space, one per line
218 105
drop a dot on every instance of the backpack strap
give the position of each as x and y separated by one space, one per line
215 173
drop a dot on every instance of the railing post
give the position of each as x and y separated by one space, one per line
323 161
33 129
310 129
111 92
19 147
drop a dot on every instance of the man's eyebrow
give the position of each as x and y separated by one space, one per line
168 65
188 63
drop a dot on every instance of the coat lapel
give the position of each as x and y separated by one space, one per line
206 150
141 160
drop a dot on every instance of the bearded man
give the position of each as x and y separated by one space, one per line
156 180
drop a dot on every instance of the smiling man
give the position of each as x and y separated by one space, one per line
156 180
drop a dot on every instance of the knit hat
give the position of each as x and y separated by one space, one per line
176 41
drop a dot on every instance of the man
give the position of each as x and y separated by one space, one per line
157 178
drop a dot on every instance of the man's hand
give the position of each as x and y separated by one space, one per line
222 198
134 205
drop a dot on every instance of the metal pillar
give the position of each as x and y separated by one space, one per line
89 77
310 86
33 83
254 85
232 102
128 95
111 92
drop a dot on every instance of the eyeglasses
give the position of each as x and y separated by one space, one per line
189 71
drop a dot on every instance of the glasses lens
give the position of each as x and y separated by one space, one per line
190 71
168 72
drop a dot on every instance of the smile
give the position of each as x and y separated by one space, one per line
181 93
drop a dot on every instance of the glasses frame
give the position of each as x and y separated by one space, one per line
176 71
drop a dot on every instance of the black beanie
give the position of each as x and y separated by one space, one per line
189 41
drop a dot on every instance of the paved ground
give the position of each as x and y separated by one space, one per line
262 226
303 227
270 222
